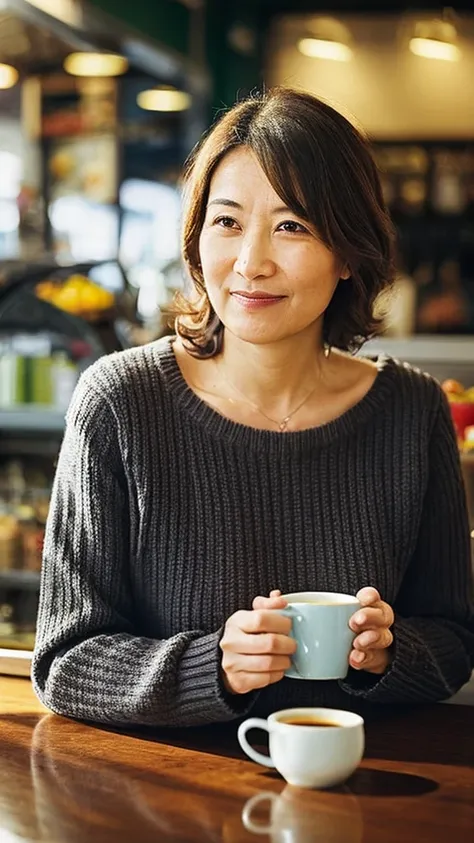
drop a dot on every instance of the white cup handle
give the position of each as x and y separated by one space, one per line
250 825
253 723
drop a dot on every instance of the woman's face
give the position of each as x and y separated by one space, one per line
267 273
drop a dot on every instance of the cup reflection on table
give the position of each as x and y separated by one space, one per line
303 816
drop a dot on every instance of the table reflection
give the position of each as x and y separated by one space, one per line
66 782
305 816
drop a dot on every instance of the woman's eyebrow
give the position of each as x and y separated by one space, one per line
229 203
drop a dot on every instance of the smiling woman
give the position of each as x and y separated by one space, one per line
251 455
257 254
316 168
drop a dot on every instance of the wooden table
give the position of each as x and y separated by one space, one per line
66 782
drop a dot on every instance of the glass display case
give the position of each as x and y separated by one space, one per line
54 322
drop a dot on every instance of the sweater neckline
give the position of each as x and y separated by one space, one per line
216 424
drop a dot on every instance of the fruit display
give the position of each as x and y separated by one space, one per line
457 393
461 402
77 295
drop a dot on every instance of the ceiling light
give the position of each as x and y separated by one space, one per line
95 64
431 48
322 48
8 76
435 39
164 98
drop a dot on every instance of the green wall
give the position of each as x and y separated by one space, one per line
234 74
166 21
169 22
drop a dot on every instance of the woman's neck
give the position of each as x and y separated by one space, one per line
275 377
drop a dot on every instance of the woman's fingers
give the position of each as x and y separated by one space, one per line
256 647
243 682
275 601
373 639
368 596
372 623
238 662
267 643
372 617
263 620
372 661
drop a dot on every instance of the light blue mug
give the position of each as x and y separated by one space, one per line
320 627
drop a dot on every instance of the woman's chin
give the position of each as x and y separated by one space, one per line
256 335
266 331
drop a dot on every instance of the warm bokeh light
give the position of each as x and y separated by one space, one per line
321 48
432 48
164 99
8 76
95 64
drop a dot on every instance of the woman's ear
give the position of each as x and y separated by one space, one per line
346 273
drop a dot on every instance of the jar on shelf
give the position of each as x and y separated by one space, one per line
31 538
7 627
10 542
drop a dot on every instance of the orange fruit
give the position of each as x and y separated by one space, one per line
452 387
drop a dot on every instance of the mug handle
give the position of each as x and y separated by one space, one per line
253 723
247 821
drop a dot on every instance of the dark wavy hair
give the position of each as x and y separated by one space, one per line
322 168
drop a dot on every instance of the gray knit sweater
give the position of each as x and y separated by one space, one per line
167 517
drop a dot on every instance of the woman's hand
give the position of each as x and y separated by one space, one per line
256 647
372 622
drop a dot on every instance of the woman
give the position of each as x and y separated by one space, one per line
252 453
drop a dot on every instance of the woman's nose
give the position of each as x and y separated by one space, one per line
254 259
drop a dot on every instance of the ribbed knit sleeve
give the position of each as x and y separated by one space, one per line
434 626
88 662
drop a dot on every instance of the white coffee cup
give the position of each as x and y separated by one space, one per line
307 755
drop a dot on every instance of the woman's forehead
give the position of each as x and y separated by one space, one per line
238 176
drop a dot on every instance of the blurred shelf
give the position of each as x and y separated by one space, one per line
22 580
424 348
18 641
14 662
32 419
32 444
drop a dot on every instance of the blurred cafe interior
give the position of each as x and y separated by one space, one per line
101 102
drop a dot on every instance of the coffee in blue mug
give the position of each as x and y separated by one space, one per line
320 627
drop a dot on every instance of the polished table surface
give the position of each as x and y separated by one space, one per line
65 782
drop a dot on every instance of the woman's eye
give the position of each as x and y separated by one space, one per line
225 222
293 227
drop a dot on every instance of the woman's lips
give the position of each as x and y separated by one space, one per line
256 301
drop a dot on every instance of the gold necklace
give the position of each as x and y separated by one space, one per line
283 424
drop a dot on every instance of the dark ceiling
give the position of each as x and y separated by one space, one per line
29 47
33 49
380 6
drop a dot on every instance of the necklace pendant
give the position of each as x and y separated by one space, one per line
283 424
